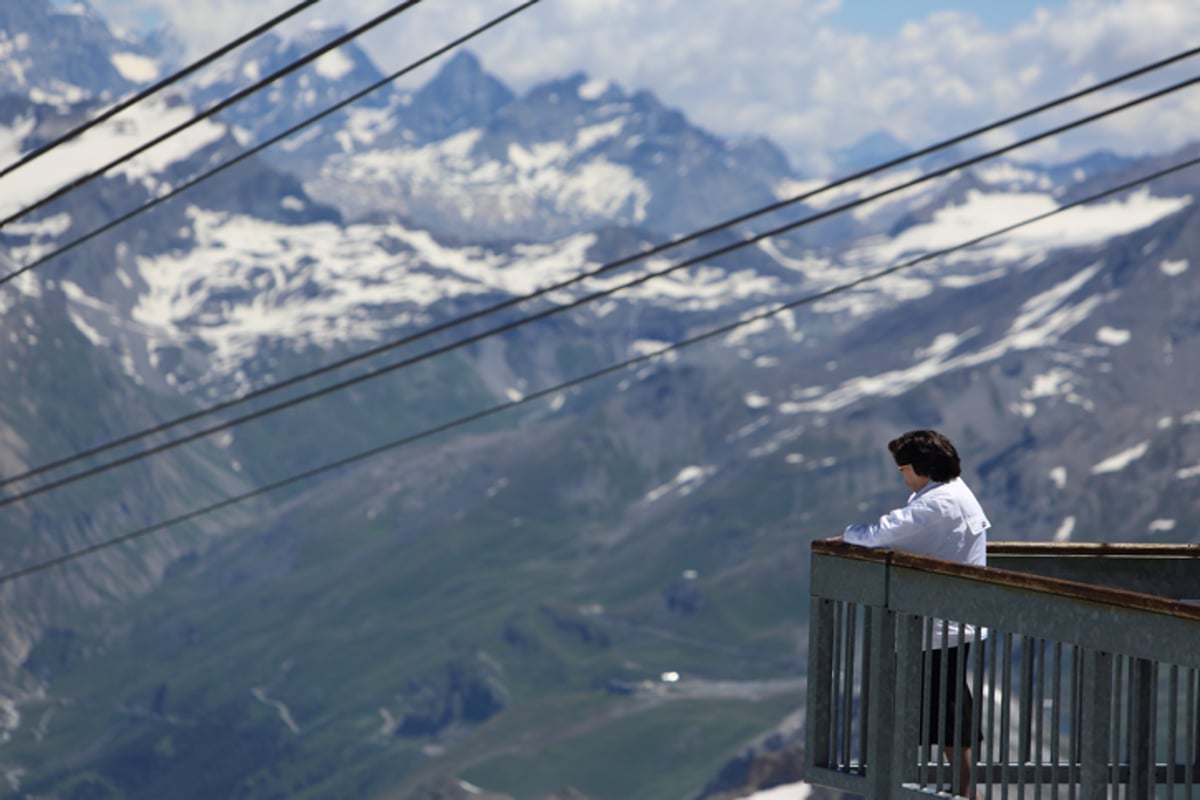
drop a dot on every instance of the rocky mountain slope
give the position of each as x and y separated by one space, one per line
612 573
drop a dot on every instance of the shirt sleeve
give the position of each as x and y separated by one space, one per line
896 528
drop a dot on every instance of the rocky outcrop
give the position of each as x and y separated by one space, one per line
469 691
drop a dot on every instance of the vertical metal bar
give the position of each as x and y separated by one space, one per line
992 745
1076 720
868 650
959 738
1038 707
1172 726
1114 753
1055 716
838 676
820 683
880 719
1139 727
1006 713
1025 712
976 718
943 685
851 622
926 694
1095 739
1192 757
910 676
1152 732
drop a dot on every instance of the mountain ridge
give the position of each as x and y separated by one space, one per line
614 573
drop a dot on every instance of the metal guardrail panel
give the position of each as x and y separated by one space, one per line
1078 690
1127 629
852 580
1168 571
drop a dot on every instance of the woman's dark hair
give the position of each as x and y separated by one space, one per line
929 453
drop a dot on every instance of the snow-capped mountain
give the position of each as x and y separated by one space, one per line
465 156
68 55
511 592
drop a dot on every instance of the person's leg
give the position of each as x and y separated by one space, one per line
965 786
952 720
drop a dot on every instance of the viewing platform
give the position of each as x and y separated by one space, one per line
1083 668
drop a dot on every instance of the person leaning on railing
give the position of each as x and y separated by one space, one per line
942 519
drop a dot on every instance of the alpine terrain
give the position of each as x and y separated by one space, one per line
476 553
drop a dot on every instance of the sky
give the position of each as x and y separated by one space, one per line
814 76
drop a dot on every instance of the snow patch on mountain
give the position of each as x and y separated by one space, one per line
1121 460
787 791
1114 337
559 175
12 136
103 144
1065 529
825 195
1042 321
756 400
136 68
334 65
688 480
364 126
248 280
593 89
1058 476
981 213
810 263
1006 173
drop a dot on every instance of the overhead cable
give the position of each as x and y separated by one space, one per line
212 110
517 300
504 328
160 199
600 373
154 89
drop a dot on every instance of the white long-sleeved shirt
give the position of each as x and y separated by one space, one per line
943 520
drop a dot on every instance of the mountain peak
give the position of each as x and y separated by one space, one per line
63 52
461 96
874 148
462 63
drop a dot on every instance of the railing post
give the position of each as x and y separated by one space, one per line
1141 766
881 704
1096 689
907 720
819 722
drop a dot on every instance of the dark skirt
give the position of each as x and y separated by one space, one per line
946 718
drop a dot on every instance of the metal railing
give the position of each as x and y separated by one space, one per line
1081 676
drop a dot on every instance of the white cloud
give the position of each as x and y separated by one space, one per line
782 67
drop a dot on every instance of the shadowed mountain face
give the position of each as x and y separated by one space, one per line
598 585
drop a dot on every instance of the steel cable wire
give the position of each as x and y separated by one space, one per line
600 373
154 89
209 112
517 300
495 331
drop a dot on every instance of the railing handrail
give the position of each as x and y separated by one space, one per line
1059 587
1093 549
